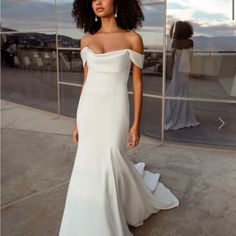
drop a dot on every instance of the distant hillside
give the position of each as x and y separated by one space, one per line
32 38
4 29
214 43
227 43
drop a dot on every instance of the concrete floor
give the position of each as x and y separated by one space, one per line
37 159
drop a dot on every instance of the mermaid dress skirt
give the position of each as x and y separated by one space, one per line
180 113
107 191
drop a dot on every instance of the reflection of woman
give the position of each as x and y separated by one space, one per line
179 113
106 190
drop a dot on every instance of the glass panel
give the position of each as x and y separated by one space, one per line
151 116
151 2
152 34
152 74
68 34
209 71
70 66
29 51
28 15
64 4
69 96
217 122
29 70
152 30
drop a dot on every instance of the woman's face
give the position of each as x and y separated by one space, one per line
103 8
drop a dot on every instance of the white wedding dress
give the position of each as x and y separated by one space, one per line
107 191
180 113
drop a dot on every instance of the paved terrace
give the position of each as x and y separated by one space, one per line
37 158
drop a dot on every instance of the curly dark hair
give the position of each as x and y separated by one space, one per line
129 15
181 30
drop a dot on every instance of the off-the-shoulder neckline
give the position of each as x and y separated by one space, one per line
114 51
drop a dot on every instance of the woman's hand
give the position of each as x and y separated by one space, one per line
133 137
75 135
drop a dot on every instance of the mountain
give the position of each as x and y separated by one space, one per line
222 43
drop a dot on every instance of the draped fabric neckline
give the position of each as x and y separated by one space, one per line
110 52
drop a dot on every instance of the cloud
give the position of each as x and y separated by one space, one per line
153 15
174 5
217 6
221 29
204 27
28 15
188 8
209 18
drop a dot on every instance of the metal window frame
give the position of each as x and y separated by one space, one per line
161 97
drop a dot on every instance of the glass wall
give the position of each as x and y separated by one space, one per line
193 104
200 81
28 53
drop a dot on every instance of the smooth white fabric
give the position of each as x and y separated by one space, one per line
107 191
179 113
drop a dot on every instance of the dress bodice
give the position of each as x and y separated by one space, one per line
113 61
183 59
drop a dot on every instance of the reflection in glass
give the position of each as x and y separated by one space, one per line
214 55
151 73
70 66
29 70
68 35
63 5
152 34
28 15
180 114
152 30
151 116
69 97
9 51
36 51
212 130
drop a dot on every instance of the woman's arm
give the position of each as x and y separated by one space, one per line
134 135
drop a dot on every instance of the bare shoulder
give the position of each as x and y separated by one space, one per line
188 43
136 41
183 43
85 40
175 44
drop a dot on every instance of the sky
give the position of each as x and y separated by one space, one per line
209 17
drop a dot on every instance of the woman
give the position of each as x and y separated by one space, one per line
180 114
107 191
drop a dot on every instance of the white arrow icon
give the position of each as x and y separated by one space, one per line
223 123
